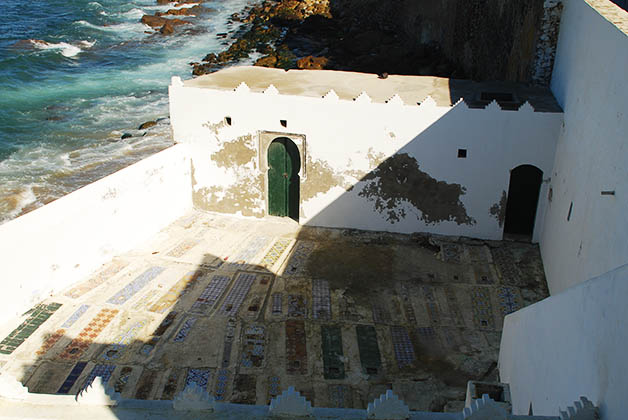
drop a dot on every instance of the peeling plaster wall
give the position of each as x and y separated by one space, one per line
63 242
376 166
590 84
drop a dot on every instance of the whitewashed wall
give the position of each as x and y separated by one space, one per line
591 85
352 137
62 242
570 344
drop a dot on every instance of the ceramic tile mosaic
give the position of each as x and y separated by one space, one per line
228 342
176 292
274 388
254 307
483 276
296 265
253 347
275 252
86 337
75 316
72 377
296 348
450 253
381 315
135 286
482 308
182 248
222 380
36 316
171 385
115 350
236 296
246 255
158 333
50 342
505 262
347 309
297 306
244 389
370 357
508 300
331 342
427 335
104 371
144 302
102 276
199 377
431 305
407 305
277 304
145 384
321 300
211 294
454 307
404 350
340 396
123 379
185 330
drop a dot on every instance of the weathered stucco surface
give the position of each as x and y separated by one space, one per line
235 153
399 179
498 210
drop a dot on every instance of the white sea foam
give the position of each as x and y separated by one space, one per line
67 50
134 13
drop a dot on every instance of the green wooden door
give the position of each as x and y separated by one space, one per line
283 178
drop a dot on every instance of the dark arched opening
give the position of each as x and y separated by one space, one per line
284 163
523 198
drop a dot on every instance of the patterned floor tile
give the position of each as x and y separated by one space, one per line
165 324
331 342
50 342
75 316
404 350
199 377
254 247
297 306
482 308
275 252
135 286
86 337
370 357
296 348
182 248
321 300
277 306
115 350
104 371
36 316
296 265
102 276
509 299
185 330
274 388
222 381
450 253
176 292
212 293
72 377
253 347
431 305
340 396
236 296
228 342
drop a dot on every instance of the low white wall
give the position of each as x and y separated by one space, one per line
569 345
346 141
589 82
58 244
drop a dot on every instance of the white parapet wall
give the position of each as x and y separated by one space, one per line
62 242
366 163
572 343
586 225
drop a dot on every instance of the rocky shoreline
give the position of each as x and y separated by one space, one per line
320 34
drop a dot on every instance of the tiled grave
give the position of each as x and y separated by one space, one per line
36 316
268 304
103 371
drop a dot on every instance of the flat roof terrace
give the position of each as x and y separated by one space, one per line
246 308
411 89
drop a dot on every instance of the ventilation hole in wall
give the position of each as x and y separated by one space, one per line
569 213
462 153
228 120
497 96
284 123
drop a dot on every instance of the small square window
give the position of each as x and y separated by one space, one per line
228 120
462 153
284 123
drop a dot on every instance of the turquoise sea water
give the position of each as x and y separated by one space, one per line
74 76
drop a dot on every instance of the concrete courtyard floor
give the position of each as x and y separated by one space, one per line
247 308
